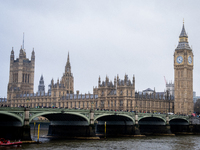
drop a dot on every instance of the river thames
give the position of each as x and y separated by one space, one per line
180 142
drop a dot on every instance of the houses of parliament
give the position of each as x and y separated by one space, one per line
117 95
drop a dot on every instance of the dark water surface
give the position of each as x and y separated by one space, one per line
183 142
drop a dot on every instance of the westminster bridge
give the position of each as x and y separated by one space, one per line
89 123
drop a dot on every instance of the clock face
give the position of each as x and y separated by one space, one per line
179 59
190 59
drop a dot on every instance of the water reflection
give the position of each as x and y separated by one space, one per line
188 142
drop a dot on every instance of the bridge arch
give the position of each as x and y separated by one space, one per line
151 120
64 113
14 116
178 121
122 116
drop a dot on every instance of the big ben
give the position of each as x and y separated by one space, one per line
183 76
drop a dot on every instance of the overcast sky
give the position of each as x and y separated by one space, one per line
102 37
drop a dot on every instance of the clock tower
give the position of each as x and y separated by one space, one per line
183 76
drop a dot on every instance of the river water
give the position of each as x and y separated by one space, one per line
183 142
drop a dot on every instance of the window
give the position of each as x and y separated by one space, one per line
121 103
102 93
181 74
121 92
102 103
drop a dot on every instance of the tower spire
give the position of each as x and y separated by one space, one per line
183 40
23 41
183 32
68 58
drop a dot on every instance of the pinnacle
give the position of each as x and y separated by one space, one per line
183 32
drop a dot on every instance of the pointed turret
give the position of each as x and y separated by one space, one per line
41 87
52 82
12 56
99 81
21 53
183 40
33 55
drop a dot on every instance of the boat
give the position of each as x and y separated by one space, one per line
4 142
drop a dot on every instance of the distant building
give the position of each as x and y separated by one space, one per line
148 91
117 95
170 88
195 98
3 102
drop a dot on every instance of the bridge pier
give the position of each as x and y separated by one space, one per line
26 133
136 127
26 136
92 126
168 127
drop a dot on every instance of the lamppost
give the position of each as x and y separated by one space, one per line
92 103
135 109
168 101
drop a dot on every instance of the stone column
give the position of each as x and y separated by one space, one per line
190 127
168 127
91 125
26 136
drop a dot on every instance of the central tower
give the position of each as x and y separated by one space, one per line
67 78
183 76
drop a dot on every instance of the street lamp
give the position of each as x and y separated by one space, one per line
135 109
92 103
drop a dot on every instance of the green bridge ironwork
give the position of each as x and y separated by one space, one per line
26 115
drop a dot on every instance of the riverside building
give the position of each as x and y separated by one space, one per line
117 95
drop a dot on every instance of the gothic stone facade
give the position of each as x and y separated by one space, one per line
183 75
117 95
21 77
